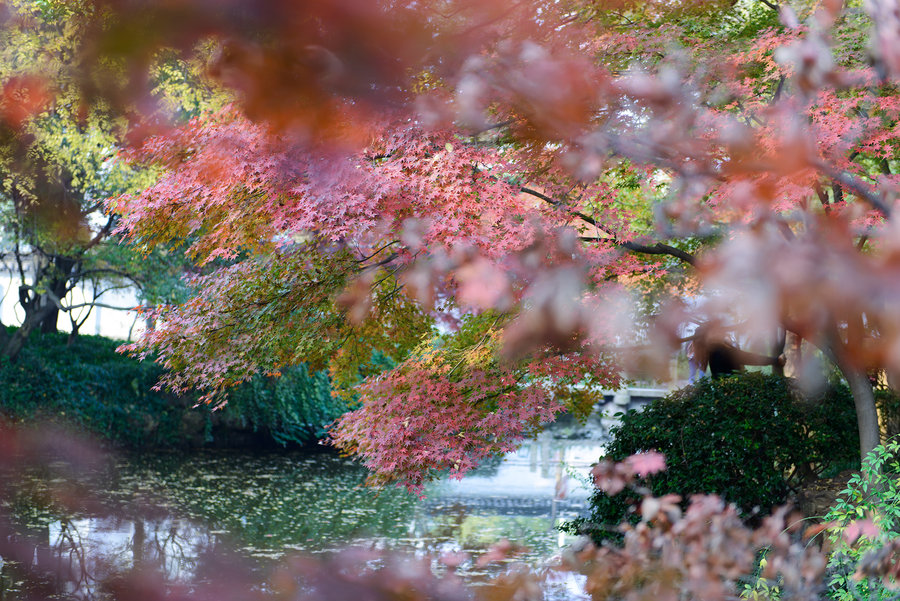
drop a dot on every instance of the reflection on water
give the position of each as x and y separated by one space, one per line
178 508
90 550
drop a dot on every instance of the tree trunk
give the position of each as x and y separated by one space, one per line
866 413
50 324
838 351
780 343
40 310
14 344
60 273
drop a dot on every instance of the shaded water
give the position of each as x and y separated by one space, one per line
171 509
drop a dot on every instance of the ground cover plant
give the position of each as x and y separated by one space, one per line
871 494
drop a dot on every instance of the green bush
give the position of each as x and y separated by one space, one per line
293 408
864 519
749 438
91 387
888 403
873 494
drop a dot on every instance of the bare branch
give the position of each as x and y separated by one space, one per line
364 258
67 308
101 305
103 233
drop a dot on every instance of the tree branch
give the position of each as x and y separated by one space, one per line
103 233
650 249
101 305
857 186
823 197
67 308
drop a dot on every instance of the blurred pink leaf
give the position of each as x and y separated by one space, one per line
645 464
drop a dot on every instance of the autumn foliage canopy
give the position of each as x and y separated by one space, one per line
512 200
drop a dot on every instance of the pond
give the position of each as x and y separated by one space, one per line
170 509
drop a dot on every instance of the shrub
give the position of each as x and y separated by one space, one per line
873 494
749 438
293 408
888 403
89 386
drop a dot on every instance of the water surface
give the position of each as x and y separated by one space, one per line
170 509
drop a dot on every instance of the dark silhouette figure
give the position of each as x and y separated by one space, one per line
710 347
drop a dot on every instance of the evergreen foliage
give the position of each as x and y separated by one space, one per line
87 385
749 438
293 409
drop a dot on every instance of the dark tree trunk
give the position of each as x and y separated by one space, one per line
50 324
60 274
780 343
41 310
14 344
840 352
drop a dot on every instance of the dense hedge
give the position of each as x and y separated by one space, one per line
91 387
749 438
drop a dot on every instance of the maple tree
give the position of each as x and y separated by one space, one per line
388 167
